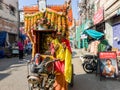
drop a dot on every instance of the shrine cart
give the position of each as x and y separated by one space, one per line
39 26
41 44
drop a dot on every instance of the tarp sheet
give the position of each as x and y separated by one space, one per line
22 36
93 33
2 38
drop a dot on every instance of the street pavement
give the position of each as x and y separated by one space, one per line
13 75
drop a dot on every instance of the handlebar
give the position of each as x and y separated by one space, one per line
52 61
45 64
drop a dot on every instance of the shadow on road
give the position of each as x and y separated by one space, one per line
3 75
7 65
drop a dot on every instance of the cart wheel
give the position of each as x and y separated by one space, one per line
72 77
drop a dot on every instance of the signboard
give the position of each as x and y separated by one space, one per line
108 64
83 36
15 51
42 5
98 16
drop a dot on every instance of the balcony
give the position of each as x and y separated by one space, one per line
81 5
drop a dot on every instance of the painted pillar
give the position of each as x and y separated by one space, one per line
109 32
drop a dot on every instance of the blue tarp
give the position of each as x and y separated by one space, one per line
1 53
2 38
22 36
93 33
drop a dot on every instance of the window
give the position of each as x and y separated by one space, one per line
1 7
12 10
12 37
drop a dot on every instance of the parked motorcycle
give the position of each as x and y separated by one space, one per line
89 63
43 75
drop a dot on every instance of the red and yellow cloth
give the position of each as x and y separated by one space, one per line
64 66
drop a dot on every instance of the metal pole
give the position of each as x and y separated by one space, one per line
18 11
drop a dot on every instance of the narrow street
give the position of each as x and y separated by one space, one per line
53 27
13 76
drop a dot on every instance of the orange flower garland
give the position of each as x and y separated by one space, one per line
56 22
49 17
52 19
63 24
59 23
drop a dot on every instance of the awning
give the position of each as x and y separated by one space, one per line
93 33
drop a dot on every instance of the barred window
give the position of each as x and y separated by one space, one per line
12 10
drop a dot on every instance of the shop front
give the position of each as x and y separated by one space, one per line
82 39
116 32
112 22
77 38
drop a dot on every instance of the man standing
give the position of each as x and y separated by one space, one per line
20 45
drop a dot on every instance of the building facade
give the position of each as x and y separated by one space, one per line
9 19
105 17
21 26
112 22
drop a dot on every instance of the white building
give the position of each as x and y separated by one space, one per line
9 18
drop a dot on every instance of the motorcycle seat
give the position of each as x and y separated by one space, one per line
90 56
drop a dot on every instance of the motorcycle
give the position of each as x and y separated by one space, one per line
43 75
89 63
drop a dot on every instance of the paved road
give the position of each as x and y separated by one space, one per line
13 76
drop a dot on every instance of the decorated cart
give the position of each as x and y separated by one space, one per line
47 22
40 25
